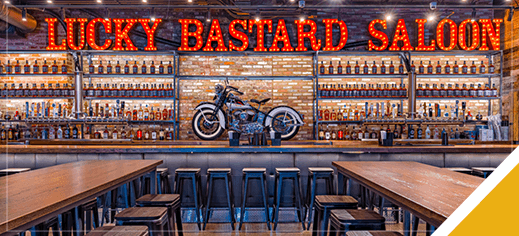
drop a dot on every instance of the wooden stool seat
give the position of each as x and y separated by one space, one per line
320 169
336 200
158 199
373 233
196 170
357 216
219 170
484 171
254 170
287 170
141 213
163 170
120 231
11 171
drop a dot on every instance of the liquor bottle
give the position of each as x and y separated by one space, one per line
443 91
35 68
382 68
135 68
421 68
106 133
494 90
472 91
374 68
64 69
464 68
436 133
75 133
169 133
321 134
411 132
326 114
447 68
126 68
339 68
473 68
162 134
348 68
482 68
100 68
438 68
480 91
171 112
491 68
465 91
152 67
333 115
54 67
330 68
429 68
321 68
144 68
8 67
340 135
146 134
366 68
391 68
26 67
427 133
115 133
91 67
118 68
161 68
66 132
152 114
413 67
140 113
419 132
17 67
357 67
435 91
1 68
488 91
109 68
401 67
165 113
170 68
426 92
456 68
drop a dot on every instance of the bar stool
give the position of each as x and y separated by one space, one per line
293 174
344 220
315 173
120 230
324 204
171 201
156 218
225 174
12 171
162 182
43 229
261 175
88 212
483 171
193 174
460 170
373 233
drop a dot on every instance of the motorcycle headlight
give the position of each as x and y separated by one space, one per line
218 88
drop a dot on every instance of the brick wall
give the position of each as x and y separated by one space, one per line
294 93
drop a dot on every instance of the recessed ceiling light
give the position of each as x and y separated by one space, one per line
49 1
7 2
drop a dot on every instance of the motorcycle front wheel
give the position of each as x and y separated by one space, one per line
282 123
209 129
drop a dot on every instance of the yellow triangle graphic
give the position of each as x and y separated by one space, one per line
497 213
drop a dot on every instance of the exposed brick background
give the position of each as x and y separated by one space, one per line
294 93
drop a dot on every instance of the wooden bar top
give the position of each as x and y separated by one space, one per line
429 192
32 197
223 147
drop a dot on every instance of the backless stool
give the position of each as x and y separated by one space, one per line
344 220
261 175
225 175
119 231
156 218
314 174
293 174
193 174
323 205
171 201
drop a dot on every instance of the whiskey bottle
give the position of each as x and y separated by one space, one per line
26 67
100 68
144 68
330 68
75 132
339 68
482 68
480 91
435 91
67 132
383 68
170 68
456 68
413 67
473 68
401 67
17 67
118 68
374 68
109 68
421 68
472 91
115 133
8 67
494 90
106 133
429 68
348 68
438 68
491 68
152 67
64 69
321 68
465 91
146 134
419 132
357 67
366 68
321 133
161 68
91 67
450 91
464 68
447 68
135 68
392 68
55 67
126 68
35 67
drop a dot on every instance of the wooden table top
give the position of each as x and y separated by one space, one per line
429 192
31 197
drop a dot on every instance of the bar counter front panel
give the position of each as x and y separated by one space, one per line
237 158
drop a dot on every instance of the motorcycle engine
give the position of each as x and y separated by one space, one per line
242 122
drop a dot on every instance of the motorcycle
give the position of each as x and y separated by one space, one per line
228 111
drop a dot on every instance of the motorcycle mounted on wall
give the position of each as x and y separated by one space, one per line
230 112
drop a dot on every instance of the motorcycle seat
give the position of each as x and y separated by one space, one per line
260 102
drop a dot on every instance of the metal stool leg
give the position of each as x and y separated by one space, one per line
416 221
265 202
229 199
197 201
299 199
245 185
279 186
209 195
311 195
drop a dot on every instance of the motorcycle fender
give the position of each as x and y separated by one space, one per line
212 106
292 111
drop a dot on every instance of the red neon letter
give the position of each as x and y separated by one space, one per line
51 22
281 36
475 35
150 32
440 34
378 35
401 35
71 34
301 35
329 34
91 33
260 38
421 37
122 34
184 41
215 34
238 35
493 35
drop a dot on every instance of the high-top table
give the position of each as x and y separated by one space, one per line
430 193
32 197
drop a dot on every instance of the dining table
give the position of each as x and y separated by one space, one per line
33 197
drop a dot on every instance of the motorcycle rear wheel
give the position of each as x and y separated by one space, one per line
278 125
203 129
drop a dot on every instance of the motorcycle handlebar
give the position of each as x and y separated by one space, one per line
235 89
